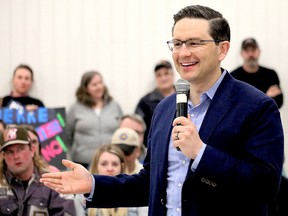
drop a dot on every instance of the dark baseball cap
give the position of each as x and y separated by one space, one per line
163 64
13 135
249 42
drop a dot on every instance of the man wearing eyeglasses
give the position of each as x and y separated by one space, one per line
231 142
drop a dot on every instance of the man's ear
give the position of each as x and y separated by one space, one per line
224 47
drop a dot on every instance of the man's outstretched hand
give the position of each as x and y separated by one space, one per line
77 180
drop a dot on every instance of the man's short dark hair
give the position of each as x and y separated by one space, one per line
219 26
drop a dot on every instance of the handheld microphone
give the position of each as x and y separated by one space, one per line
182 87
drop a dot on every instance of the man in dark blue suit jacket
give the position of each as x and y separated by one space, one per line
231 143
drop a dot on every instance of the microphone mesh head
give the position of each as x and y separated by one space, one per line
182 85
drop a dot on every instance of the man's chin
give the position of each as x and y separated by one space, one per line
252 63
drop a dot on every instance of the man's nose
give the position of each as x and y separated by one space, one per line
184 50
15 154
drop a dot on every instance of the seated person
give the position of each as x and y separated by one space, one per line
128 141
35 140
20 171
136 122
107 160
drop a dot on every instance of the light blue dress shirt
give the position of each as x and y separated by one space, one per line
177 162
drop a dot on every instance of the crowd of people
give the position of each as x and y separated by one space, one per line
128 164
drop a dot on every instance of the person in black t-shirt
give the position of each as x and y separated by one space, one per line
22 82
267 81
262 78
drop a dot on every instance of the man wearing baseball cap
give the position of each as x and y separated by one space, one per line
21 193
136 123
262 78
128 141
249 42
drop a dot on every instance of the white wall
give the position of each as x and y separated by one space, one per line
122 39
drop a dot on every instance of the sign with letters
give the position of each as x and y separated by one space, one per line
50 125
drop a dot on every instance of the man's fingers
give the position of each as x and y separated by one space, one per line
69 164
55 175
57 188
51 185
51 181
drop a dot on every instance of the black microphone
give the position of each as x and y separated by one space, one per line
182 87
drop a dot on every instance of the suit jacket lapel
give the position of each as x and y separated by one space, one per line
166 129
218 108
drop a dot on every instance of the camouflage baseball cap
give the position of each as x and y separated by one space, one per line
13 135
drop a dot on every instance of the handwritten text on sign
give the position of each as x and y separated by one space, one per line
50 126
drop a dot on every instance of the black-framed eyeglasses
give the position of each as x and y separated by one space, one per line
191 44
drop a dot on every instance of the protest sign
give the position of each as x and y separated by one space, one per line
50 125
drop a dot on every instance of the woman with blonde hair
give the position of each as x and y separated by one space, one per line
108 160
